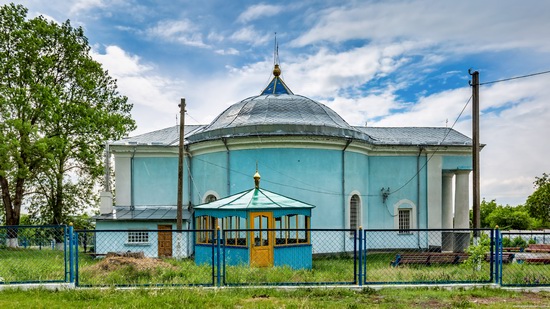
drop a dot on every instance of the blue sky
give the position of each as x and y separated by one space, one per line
384 63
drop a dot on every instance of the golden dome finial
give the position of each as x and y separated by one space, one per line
276 70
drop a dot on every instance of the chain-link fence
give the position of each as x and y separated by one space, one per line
140 258
289 257
167 257
33 254
428 256
525 258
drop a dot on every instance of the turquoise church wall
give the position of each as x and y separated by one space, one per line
310 175
155 181
457 163
394 172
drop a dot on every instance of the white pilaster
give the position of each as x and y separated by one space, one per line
447 201
123 181
462 211
462 200
447 241
434 192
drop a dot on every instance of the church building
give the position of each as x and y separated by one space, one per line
356 176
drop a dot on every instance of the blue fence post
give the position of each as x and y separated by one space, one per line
498 255
218 245
360 256
492 256
76 258
71 260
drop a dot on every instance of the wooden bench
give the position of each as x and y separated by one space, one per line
507 257
428 258
538 248
537 260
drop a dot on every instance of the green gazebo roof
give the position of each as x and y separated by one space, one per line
255 199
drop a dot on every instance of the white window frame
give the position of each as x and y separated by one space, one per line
209 193
405 204
359 211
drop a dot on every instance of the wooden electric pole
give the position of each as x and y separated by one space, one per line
475 149
180 166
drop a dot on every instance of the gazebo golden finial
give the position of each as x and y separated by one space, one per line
276 70
257 180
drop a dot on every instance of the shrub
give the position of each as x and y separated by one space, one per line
519 242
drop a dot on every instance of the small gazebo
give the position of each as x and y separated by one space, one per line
259 228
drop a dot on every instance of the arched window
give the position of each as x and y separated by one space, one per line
210 198
354 212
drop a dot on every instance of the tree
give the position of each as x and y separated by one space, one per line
57 108
538 203
485 209
509 217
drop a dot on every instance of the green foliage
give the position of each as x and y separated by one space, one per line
485 209
519 242
477 252
508 217
538 203
57 108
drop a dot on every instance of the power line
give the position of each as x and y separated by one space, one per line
516 77
436 149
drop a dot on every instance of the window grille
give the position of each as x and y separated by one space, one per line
404 221
138 237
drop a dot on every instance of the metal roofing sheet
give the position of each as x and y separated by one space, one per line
144 213
255 199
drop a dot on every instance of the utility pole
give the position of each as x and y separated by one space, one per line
180 165
475 148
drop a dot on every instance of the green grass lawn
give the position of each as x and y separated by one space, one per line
274 298
24 265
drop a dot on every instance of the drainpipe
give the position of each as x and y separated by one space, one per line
418 193
224 140
132 207
348 141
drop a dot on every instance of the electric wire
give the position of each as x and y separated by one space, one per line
436 149
512 78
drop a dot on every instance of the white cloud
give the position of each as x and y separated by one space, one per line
181 31
249 35
84 5
258 11
229 51
154 96
495 25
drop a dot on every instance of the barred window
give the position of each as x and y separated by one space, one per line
404 221
354 213
138 237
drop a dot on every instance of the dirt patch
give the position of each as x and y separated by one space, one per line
113 263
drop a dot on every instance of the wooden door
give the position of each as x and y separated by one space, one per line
261 244
165 241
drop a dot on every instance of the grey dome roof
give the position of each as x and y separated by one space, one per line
277 114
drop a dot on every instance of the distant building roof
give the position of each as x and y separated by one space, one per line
163 137
416 136
429 136
143 213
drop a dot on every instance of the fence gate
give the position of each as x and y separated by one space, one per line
34 254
